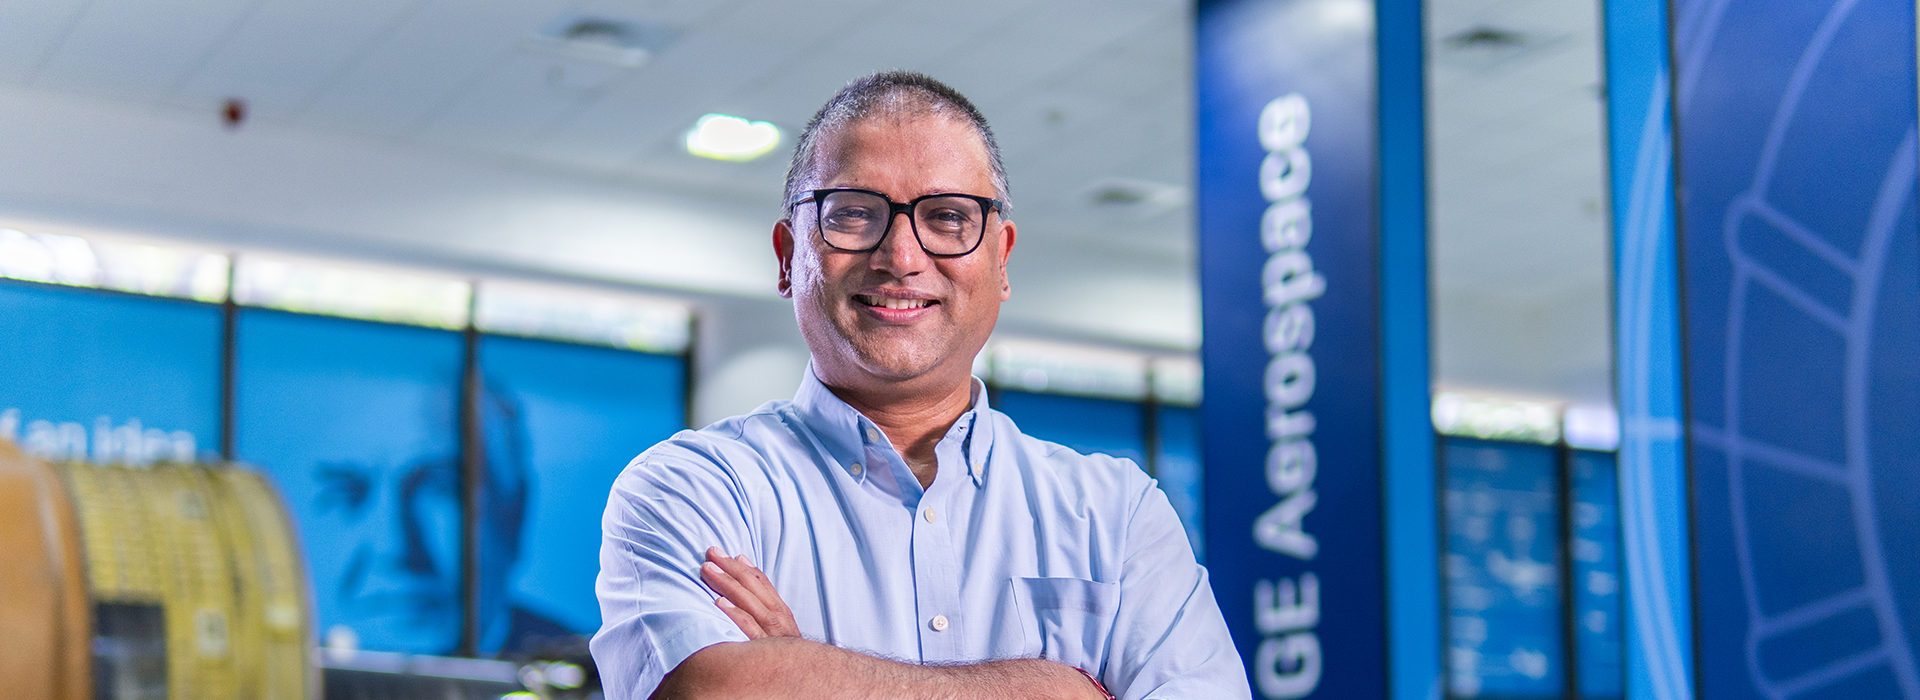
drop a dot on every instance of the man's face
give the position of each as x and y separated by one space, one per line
845 301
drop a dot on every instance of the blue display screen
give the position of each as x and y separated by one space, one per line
1504 626
358 423
1178 468
1599 654
108 377
560 423
1082 424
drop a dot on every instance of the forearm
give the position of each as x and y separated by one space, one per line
786 667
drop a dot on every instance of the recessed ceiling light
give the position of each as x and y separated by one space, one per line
724 137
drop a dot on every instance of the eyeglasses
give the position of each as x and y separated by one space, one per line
857 221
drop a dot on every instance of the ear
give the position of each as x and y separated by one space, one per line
1008 232
783 251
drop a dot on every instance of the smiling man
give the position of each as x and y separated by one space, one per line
886 534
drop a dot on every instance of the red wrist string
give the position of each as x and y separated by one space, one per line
1095 682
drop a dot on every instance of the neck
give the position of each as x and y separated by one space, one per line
914 422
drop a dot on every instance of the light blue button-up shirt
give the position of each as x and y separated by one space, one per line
1019 548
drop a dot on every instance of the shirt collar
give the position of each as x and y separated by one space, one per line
844 433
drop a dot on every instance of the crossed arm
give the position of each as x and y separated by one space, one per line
776 662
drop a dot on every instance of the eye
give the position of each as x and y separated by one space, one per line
851 214
344 486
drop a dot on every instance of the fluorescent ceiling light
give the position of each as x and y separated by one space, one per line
723 137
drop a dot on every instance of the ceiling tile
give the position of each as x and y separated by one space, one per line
29 31
286 50
430 59
136 50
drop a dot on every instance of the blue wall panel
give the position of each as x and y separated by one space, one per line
108 377
358 423
1797 160
561 421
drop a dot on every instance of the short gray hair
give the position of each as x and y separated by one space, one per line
890 93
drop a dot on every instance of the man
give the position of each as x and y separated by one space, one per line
886 534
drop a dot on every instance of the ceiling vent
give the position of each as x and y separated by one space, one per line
1485 37
603 40
1134 197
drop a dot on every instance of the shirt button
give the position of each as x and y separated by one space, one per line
938 623
856 468
873 435
930 519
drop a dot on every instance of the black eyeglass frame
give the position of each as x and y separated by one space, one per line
988 206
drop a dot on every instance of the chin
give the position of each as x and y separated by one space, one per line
895 362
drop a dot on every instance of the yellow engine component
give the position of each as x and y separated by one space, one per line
192 578
44 613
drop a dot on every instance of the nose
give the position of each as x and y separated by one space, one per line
900 254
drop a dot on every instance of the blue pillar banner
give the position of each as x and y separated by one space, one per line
1796 156
1290 282
1656 562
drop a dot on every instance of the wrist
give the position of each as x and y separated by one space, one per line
1097 685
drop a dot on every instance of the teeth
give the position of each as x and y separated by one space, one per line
894 303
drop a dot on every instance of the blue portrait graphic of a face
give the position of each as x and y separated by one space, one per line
398 585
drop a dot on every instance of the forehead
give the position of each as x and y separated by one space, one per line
905 155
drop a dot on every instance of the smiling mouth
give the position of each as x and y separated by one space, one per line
891 303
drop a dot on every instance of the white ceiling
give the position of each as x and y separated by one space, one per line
496 143
431 132
1518 202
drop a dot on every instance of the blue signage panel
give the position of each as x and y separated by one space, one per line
1504 634
357 422
1082 424
98 376
1594 544
1289 287
1178 468
560 421
1801 241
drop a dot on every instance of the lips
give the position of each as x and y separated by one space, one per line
880 302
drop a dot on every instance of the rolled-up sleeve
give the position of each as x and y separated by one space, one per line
662 515
1169 639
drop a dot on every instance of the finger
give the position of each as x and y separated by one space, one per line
741 619
782 623
731 588
743 570
766 605
748 577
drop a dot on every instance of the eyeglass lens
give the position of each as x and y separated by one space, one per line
945 225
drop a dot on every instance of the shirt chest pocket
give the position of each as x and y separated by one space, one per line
1067 619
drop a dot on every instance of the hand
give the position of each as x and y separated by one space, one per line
747 597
